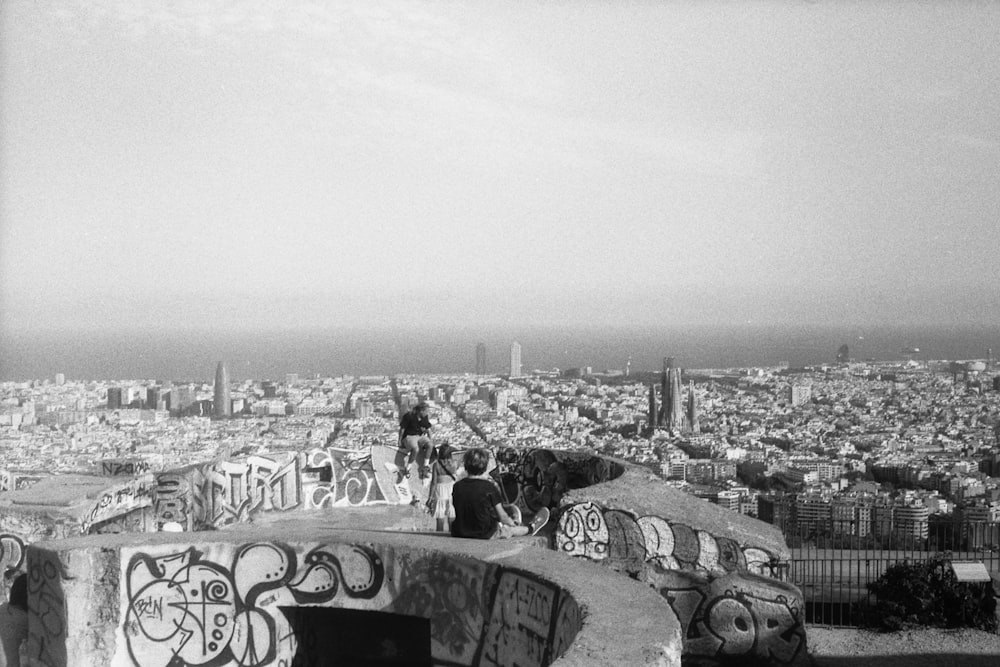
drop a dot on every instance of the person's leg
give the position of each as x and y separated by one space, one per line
426 448
423 456
506 532
411 444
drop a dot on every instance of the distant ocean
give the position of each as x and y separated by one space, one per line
174 355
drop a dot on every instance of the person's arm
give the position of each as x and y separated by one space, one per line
503 516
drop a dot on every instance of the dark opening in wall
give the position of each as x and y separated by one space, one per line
329 636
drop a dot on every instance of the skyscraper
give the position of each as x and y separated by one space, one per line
671 414
481 359
652 405
515 359
221 405
152 398
667 363
114 398
692 409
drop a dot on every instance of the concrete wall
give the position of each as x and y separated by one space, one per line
217 599
607 512
721 572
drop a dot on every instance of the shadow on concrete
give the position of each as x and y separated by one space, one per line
908 660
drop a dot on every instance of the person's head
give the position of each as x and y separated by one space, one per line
19 592
444 452
476 461
420 408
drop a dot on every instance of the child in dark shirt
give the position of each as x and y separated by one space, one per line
479 511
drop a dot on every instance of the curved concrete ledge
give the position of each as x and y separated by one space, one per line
224 598
642 493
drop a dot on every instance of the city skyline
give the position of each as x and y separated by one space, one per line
238 168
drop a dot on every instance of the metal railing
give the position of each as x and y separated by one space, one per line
833 561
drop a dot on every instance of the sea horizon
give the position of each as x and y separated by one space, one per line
332 351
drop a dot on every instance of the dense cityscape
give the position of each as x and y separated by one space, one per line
876 450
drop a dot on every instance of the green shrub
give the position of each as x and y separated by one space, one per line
927 594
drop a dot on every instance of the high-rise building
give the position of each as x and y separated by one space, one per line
481 359
515 359
667 363
799 394
692 409
152 398
60 379
671 414
221 405
843 354
652 405
114 398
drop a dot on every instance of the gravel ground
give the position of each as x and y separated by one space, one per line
919 648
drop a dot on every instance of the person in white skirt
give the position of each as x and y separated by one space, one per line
442 481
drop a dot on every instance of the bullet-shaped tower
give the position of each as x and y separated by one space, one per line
222 406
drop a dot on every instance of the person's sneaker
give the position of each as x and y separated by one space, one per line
539 521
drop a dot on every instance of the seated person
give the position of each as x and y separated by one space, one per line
14 621
479 511
414 428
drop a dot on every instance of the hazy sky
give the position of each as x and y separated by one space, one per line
251 165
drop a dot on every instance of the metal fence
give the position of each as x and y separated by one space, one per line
832 561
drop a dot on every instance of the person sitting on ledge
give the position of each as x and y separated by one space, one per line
413 437
479 511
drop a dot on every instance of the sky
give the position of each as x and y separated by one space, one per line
244 166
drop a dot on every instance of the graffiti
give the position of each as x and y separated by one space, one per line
521 618
170 500
119 500
25 481
273 486
538 478
118 468
229 492
219 494
351 479
182 608
47 610
450 592
626 543
739 620
583 532
11 552
134 521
